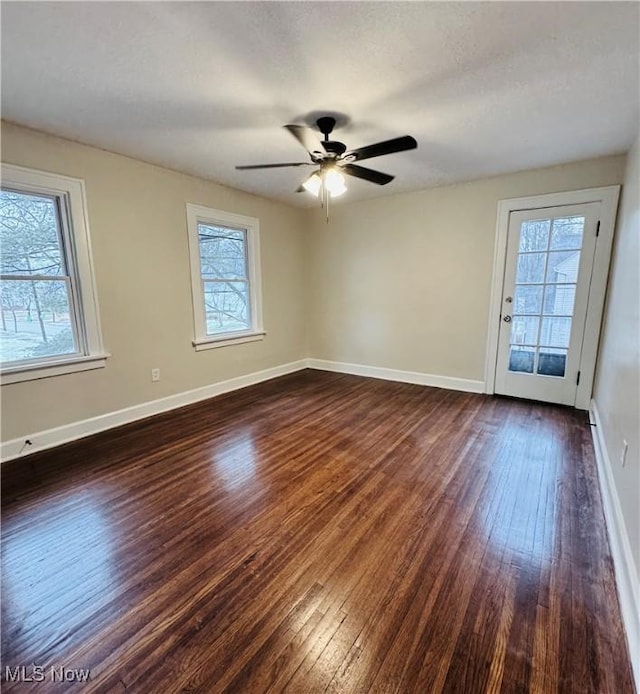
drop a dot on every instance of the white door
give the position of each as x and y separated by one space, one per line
549 262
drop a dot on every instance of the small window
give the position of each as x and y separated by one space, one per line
225 273
49 319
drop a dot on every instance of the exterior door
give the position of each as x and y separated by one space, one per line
548 268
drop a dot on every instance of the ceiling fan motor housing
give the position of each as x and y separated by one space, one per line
334 147
326 124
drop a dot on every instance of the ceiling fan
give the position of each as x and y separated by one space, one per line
333 159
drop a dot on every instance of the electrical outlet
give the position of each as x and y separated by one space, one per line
155 374
623 453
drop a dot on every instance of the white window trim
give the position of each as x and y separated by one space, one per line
93 355
209 215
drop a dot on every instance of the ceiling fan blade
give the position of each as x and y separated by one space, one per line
273 166
367 174
398 144
306 137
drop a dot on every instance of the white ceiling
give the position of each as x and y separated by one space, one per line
484 87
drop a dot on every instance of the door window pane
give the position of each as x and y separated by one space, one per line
559 299
563 266
555 332
567 233
530 268
527 299
552 362
534 235
521 359
524 330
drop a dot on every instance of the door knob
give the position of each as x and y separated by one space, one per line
507 319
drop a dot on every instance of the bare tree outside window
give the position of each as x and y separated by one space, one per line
35 296
223 266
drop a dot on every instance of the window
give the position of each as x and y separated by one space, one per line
49 318
225 275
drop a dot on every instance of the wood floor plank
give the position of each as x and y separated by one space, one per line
316 533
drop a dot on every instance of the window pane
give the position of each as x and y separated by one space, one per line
563 266
559 299
521 359
555 332
567 233
527 299
534 236
530 268
29 235
552 362
226 306
36 320
524 330
222 252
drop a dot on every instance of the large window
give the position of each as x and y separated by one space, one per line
49 321
225 269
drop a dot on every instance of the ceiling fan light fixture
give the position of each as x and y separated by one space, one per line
313 184
334 183
330 181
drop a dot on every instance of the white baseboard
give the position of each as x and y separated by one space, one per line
16 448
624 565
417 377
49 438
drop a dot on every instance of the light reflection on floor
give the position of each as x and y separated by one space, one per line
67 544
520 521
235 460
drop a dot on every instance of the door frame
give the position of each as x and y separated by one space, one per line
608 198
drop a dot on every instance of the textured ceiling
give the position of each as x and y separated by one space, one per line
485 88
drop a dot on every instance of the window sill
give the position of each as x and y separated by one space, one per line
33 372
227 339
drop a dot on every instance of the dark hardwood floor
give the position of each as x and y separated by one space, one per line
316 533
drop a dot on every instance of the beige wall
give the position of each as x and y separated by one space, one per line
403 282
139 238
617 389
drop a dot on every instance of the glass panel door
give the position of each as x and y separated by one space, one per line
547 272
